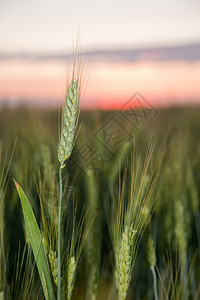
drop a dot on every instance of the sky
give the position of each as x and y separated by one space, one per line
31 29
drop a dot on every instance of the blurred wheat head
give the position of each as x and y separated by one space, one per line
129 219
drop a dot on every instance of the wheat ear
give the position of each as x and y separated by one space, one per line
124 261
69 122
71 276
53 261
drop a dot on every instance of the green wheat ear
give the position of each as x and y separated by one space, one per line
69 122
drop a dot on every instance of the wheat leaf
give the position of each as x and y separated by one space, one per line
37 245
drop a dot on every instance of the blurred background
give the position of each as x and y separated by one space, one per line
151 47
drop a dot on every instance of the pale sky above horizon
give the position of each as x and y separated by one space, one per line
46 25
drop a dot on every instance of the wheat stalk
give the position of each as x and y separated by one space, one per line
129 219
68 130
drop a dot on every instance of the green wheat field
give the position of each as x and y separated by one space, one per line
130 205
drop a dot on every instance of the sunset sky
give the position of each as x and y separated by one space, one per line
37 36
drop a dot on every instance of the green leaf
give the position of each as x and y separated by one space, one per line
37 245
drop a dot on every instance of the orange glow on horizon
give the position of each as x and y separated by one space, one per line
109 85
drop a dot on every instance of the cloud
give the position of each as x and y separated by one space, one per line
188 53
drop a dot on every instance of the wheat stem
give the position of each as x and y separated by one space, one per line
59 236
154 283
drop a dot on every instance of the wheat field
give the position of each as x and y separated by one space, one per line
130 205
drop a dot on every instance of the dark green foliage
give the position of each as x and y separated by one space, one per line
175 222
